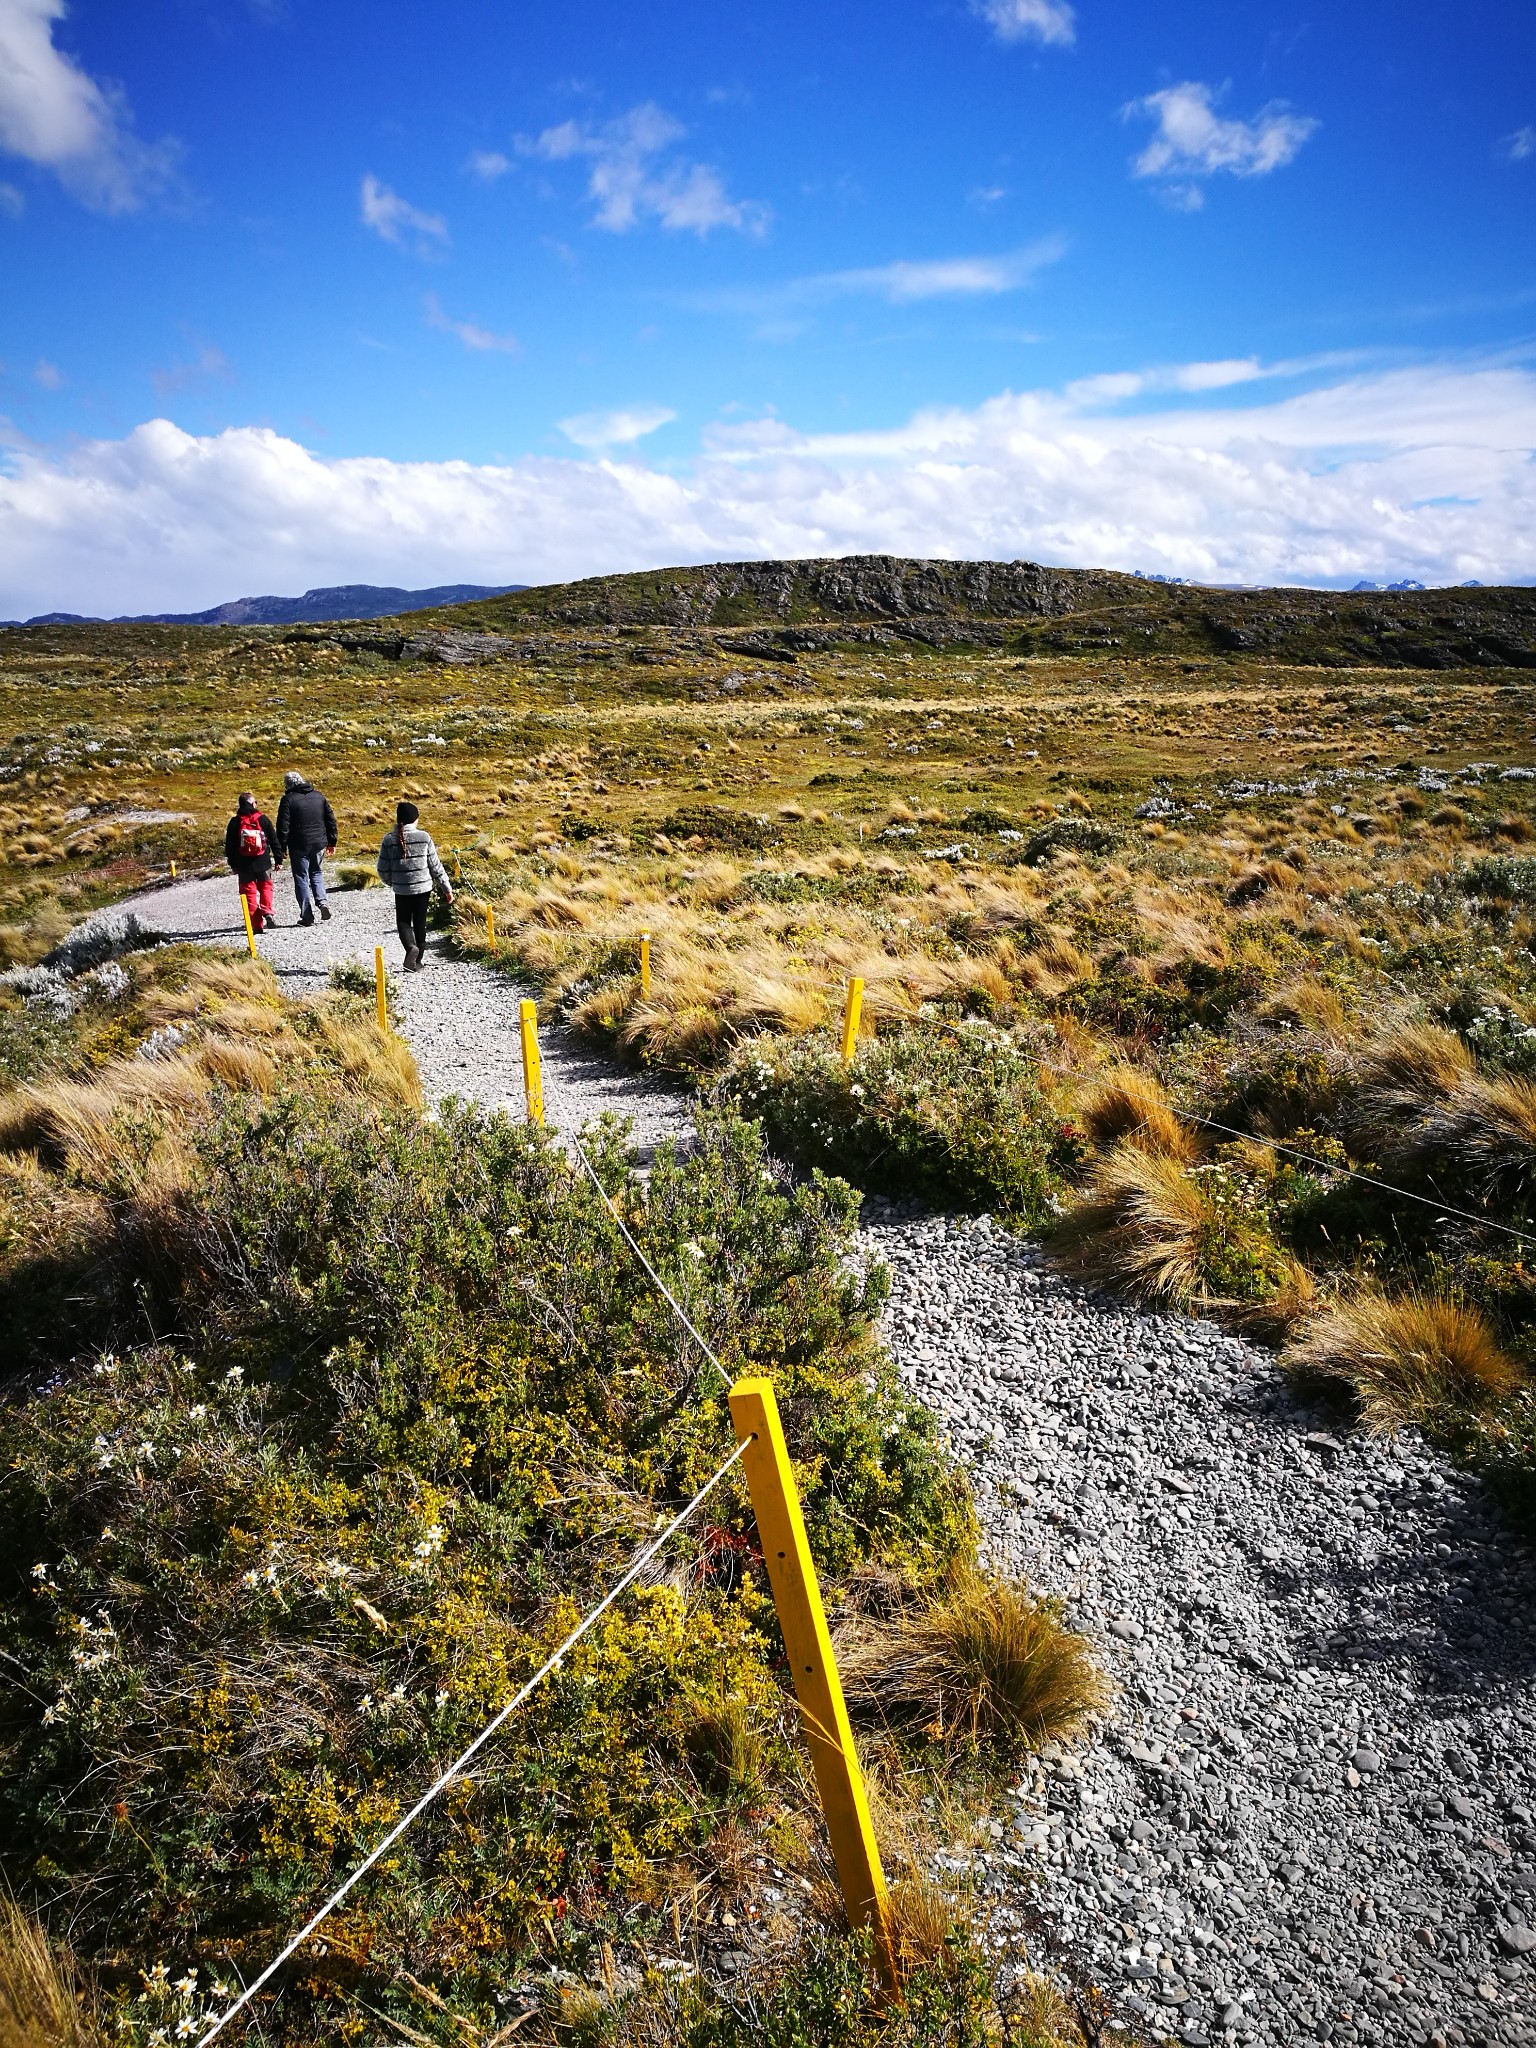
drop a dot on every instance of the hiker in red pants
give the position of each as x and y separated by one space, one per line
250 847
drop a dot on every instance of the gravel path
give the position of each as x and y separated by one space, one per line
1312 1815
460 1017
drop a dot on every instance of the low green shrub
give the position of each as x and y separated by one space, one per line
954 1114
410 1409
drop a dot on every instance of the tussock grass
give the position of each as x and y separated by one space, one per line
40 2004
1139 1228
986 1662
1406 1360
1422 1103
1128 1105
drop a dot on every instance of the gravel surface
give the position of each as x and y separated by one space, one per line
460 1017
1311 1815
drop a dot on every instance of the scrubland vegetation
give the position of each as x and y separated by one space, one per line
1210 957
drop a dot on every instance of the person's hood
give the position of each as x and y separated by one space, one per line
251 810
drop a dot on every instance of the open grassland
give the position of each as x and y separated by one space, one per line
1173 914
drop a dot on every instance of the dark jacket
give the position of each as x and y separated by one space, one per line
251 870
305 821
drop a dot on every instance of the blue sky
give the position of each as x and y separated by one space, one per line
509 292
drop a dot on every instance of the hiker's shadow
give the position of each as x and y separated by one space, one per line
1451 1592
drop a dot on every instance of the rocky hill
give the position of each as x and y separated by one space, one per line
792 607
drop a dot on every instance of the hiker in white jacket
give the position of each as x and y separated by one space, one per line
408 862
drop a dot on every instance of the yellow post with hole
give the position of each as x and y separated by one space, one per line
250 929
645 963
381 989
490 926
803 1620
852 1011
533 1074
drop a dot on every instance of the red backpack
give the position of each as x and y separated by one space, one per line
252 836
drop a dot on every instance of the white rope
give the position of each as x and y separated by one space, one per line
478 1744
569 1130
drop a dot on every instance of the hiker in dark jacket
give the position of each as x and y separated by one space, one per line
250 847
306 833
408 862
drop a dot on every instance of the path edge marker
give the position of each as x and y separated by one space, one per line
381 989
533 1073
808 1645
852 1011
250 929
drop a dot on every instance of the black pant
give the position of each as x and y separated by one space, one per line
411 921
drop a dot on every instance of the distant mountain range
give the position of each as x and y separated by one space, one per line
336 601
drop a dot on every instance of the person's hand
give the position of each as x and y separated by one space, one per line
448 898
330 850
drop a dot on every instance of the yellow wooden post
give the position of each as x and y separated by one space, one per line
457 873
173 871
533 1077
490 925
380 988
851 1014
250 931
823 1712
645 963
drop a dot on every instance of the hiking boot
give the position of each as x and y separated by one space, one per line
325 912
412 959
308 917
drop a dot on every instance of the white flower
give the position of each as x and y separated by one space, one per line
159 2038
694 1250
442 1701
157 1977
39 1571
398 1696
147 1451
198 1410
105 1366
234 1376
187 2025
186 1987
366 1703
252 1579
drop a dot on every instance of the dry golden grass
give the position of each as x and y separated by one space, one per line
985 1662
1421 1101
1403 1359
1139 1228
71 1122
40 2003
921 1921
1127 1105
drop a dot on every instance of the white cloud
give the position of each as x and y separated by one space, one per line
490 164
1194 141
206 363
1040 21
1520 145
49 375
1425 472
55 115
395 220
615 429
473 336
629 182
11 202
904 282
